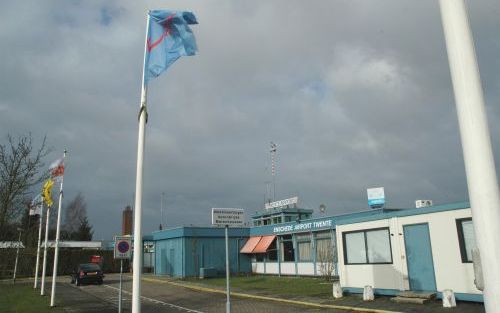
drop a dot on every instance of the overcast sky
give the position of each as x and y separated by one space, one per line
355 93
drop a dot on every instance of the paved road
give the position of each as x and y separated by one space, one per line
163 298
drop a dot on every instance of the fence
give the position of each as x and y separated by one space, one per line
69 258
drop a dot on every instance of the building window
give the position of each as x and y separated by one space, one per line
466 239
259 257
324 248
272 253
367 247
288 253
277 220
288 218
304 247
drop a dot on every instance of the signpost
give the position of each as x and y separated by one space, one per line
226 217
376 197
122 250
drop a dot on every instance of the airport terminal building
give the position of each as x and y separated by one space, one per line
420 249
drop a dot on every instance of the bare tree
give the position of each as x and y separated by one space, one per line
21 168
326 261
76 212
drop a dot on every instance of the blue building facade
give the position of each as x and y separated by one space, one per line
184 251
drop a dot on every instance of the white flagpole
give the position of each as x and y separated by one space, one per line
476 144
56 252
137 261
38 247
44 265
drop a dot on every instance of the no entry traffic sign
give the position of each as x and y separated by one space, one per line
123 247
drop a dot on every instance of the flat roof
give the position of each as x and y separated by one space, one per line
306 225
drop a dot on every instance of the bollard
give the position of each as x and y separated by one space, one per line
368 293
337 290
449 299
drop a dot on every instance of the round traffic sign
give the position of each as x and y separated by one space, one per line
123 246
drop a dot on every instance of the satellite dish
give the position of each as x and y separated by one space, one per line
322 208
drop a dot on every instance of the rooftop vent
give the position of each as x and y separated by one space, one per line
423 203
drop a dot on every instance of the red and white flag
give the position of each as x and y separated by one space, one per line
57 168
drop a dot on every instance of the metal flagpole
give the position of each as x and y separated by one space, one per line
137 261
120 293
476 144
44 265
228 273
38 246
56 252
17 254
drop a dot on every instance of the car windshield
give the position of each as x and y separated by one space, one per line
90 267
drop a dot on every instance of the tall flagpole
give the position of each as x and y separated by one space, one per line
476 144
56 252
38 246
137 261
44 265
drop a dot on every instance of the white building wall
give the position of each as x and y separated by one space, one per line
288 268
272 268
305 268
258 267
449 270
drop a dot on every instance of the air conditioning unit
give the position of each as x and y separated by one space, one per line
423 203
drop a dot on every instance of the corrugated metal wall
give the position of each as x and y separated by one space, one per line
169 257
210 253
184 256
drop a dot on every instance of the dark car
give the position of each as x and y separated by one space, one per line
87 273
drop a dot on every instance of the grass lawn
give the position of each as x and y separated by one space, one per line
22 298
282 286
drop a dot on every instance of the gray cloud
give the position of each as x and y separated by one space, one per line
356 94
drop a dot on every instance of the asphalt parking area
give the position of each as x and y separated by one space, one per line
166 298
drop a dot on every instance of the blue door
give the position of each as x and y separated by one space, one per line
419 257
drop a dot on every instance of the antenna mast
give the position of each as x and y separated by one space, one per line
273 167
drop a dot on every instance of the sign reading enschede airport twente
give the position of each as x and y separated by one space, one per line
123 247
230 217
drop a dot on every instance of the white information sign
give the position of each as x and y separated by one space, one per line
376 197
230 217
123 247
282 203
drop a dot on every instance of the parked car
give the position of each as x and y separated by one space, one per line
87 273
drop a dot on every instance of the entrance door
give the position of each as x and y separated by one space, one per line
171 261
419 257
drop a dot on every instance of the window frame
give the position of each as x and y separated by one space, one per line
308 240
364 231
282 248
461 239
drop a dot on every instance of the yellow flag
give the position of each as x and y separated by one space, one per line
47 192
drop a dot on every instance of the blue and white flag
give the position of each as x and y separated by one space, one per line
169 37
36 205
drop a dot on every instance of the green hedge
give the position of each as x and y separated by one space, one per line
68 260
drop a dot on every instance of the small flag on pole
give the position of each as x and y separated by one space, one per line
36 205
57 168
47 192
169 37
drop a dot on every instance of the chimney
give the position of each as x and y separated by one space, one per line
127 221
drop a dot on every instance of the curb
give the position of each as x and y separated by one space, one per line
248 296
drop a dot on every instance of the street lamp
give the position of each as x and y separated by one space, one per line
17 254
